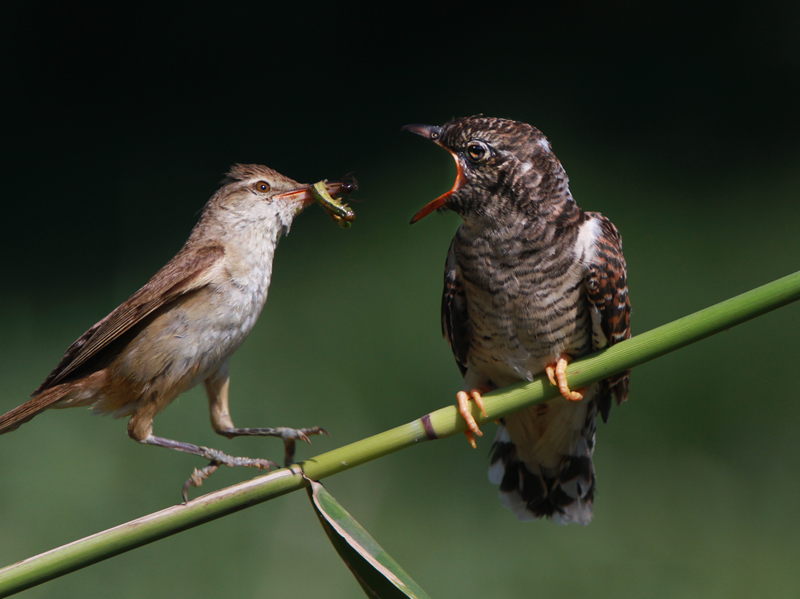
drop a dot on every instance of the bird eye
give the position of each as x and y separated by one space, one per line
477 151
261 186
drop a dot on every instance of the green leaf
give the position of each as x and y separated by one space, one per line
377 573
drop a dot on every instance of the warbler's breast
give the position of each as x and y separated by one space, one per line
188 340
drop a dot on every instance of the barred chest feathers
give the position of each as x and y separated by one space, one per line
526 305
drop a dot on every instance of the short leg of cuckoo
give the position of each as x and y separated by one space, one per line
463 408
557 373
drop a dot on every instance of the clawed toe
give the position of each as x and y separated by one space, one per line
199 475
197 478
314 430
301 434
290 437
557 373
462 398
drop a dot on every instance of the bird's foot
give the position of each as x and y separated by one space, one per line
463 408
218 459
557 373
215 457
289 436
197 478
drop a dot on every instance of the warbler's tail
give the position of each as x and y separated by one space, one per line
21 414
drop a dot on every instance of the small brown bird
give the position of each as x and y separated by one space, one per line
182 327
531 282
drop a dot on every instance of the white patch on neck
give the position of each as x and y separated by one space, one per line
544 143
585 244
586 248
524 167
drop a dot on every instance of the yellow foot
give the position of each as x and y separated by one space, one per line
463 407
557 373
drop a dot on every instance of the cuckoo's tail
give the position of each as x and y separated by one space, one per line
545 469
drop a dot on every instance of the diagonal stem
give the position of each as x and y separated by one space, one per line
442 423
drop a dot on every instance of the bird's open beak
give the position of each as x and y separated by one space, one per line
433 133
324 193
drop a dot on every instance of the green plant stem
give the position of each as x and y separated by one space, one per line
442 423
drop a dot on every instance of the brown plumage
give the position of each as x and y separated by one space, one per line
181 328
531 282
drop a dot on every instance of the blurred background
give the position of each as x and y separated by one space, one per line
680 124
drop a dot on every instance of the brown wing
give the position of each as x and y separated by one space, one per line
611 309
454 312
186 272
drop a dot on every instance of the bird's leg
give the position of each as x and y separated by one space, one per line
214 456
140 428
557 373
217 389
463 408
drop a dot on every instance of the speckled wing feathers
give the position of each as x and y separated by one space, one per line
607 292
454 312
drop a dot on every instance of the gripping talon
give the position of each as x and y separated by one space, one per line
197 478
314 430
290 437
551 371
471 438
476 395
462 397
557 373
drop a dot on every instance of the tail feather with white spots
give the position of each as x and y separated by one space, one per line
561 486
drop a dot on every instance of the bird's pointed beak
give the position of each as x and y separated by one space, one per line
434 133
427 131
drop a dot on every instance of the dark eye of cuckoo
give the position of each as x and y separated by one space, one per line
477 151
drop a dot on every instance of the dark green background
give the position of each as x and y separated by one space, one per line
680 124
